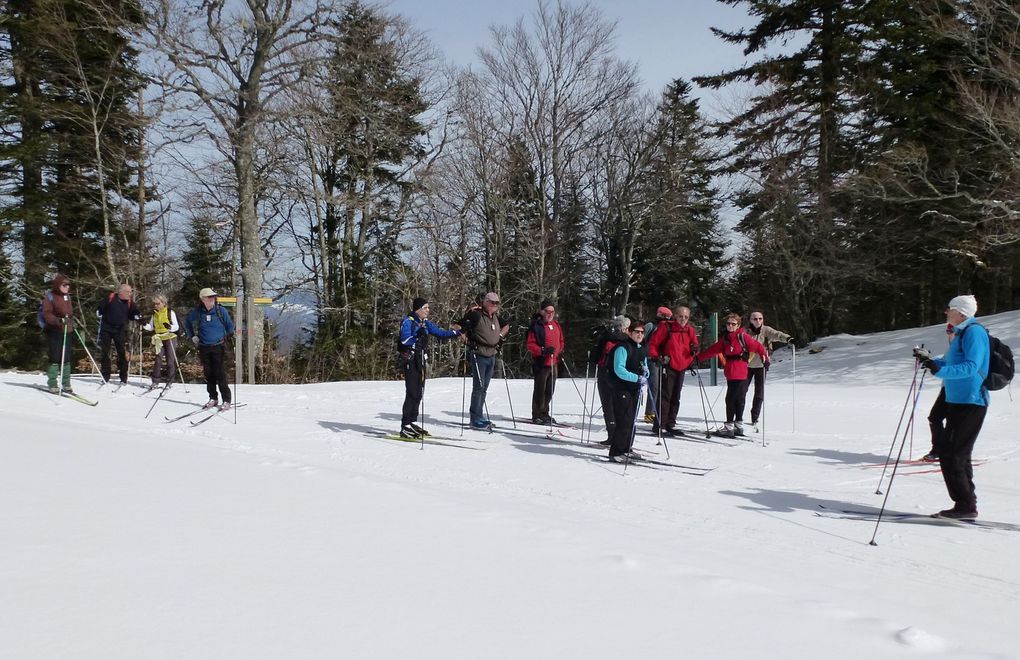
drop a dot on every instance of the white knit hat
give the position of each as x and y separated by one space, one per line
966 305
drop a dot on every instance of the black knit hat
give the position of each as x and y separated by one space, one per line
545 303
418 303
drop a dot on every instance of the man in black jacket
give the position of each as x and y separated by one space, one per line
114 314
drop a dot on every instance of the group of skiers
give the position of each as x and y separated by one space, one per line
627 362
623 359
208 325
630 358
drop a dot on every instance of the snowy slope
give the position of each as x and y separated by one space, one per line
297 533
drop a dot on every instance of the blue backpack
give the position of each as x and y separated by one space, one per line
39 316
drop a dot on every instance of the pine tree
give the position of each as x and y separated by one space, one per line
681 253
206 262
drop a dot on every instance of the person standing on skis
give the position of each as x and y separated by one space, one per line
485 329
209 326
735 346
163 325
628 375
674 344
413 349
58 323
757 368
963 370
545 343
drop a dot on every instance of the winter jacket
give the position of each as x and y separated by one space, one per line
212 326
115 313
730 347
57 305
678 342
159 321
766 336
964 366
414 334
483 331
543 335
629 364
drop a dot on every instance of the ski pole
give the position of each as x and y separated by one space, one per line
463 391
704 399
63 351
584 402
793 406
421 383
892 445
584 399
502 363
85 346
662 439
899 454
177 363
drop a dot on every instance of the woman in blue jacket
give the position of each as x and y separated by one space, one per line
963 370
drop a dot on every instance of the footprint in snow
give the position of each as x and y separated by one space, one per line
920 640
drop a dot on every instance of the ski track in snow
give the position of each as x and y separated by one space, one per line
295 534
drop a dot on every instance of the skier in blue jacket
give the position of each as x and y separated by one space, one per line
413 348
208 326
963 370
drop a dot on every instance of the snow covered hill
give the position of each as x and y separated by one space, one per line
299 532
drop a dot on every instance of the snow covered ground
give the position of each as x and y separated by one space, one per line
298 533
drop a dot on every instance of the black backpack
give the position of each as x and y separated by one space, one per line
1000 363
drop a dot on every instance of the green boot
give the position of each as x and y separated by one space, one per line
51 377
67 377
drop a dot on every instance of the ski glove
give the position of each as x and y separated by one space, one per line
642 381
166 325
194 340
930 365
548 350
922 354
664 359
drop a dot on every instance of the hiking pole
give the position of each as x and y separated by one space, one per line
502 364
899 454
85 346
463 391
63 351
910 393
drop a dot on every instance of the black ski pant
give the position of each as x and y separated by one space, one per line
757 375
671 384
963 423
55 343
625 402
937 420
414 388
736 395
606 398
215 370
545 385
116 336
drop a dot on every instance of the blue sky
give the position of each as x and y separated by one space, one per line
667 38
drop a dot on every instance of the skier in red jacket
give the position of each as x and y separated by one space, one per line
735 346
674 344
545 343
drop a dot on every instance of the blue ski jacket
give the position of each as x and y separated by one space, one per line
212 326
965 365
